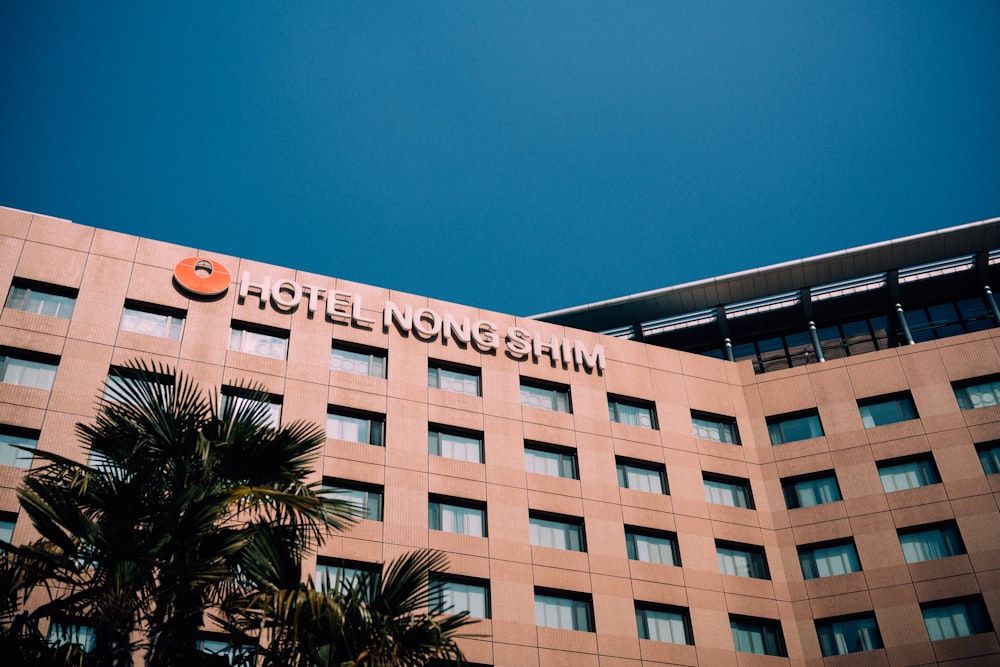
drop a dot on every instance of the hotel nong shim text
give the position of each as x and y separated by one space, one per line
773 467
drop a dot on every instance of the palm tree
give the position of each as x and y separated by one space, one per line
373 619
179 497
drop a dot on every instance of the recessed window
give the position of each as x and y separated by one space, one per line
811 490
989 457
955 618
641 476
365 498
930 542
663 624
715 428
839 636
234 653
829 559
454 596
7 522
459 517
971 396
358 360
134 387
649 546
557 610
360 427
26 372
757 635
557 532
250 403
546 397
253 341
152 321
791 428
550 460
338 575
899 475
70 634
453 379
41 299
742 560
632 413
882 411
12 437
731 491
449 444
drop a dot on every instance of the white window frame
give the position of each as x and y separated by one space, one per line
249 341
451 445
457 518
27 373
543 397
715 428
629 413
641 477
369 363
648 548
557 533
565 613
730 492
355 427
448 378
663 625
553 462
151 323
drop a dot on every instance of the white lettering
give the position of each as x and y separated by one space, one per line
403 320
427 323
263 288
338 306
484 336
356 317
286 295
518 341
585 360
314 294
538 348
451 329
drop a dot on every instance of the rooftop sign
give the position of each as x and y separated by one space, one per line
204 277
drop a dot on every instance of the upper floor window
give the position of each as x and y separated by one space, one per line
930 542
898 475
451 445
757 635
557 532
460 517
336 575
828 560
236 398
663 624
955 618
235 654
989 457
12 437
134 387
715 428
454 596
550 460
977 394
632 413
742 560
731 491
365 498
790 428
251 341
811 490
7 523
354 426
63 634
651 547
881 411
453 379
41 299
839 636
565 611
641 476
152 321
26 372
547 397
358 360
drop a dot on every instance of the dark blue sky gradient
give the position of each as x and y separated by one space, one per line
518 156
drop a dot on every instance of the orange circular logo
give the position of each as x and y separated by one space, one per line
202 276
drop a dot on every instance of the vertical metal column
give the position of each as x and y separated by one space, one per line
817 348
992 303
727 345
902 322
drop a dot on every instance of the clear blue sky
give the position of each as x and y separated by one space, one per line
517 156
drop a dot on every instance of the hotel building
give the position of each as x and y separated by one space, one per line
796 465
